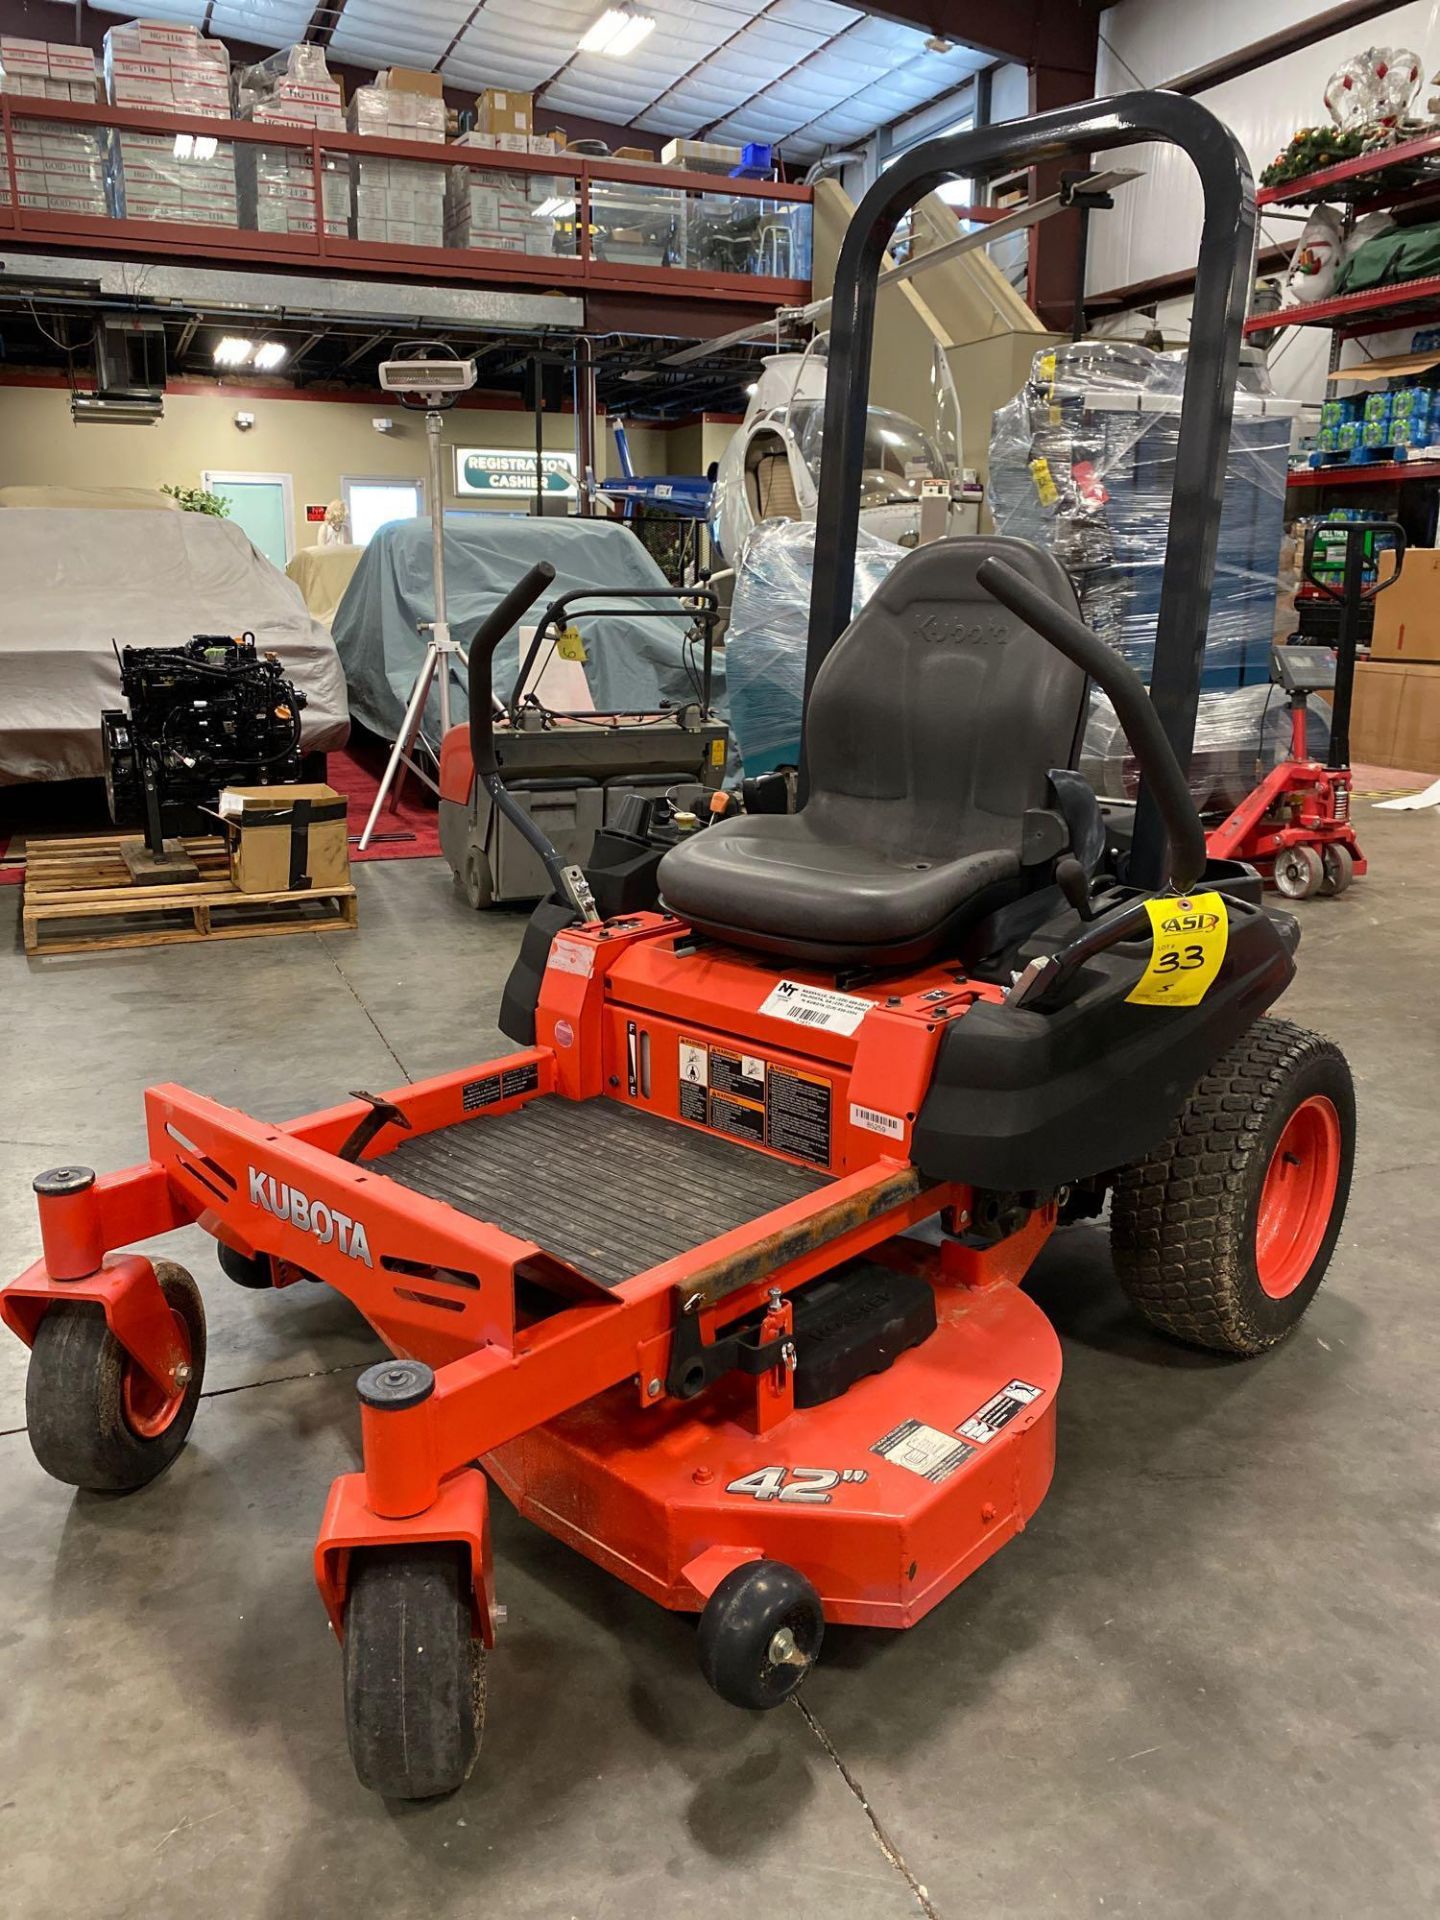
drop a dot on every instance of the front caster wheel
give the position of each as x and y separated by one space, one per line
476 882
1223 1234
96 1419
1339 865
243 1270
760 1634
414 1676
1299 872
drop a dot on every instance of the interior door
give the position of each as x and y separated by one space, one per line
260 505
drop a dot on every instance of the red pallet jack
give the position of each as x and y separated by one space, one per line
717 1275
1295 826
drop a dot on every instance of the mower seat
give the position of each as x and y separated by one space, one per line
931 734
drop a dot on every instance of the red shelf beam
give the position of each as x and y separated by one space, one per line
1348 313
1313 186
1387 473
577 271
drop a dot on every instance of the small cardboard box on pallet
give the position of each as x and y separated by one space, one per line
289 839
502 110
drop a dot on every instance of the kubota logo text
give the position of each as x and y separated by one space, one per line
310 1216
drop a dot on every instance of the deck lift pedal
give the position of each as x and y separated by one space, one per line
716 1275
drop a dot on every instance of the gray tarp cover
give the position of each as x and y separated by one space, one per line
632 664
73 581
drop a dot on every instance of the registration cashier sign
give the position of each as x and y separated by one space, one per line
496 473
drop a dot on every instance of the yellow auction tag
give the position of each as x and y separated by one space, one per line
1045 487
569 645
1190 936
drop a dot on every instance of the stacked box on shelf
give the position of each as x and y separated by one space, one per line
401 202
169 68
293 88
58 168
509 212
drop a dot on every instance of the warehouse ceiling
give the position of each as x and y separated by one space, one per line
41 330
805 74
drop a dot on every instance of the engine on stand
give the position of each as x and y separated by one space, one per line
212 713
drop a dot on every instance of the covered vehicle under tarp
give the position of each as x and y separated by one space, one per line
79 583
632 664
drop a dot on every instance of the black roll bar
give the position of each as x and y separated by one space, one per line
1222 279
704 607
487 637
1124 688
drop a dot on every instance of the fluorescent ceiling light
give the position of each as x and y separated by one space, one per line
233 351
555 208
270 354
617 32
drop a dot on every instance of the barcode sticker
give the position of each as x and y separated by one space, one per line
815 1006
874 1121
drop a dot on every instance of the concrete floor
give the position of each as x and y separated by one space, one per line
1204 1682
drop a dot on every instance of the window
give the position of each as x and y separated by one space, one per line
372 504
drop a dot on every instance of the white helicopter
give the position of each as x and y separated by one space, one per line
770 470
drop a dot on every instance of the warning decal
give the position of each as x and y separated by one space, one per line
748 1098
923 1450
694 1082
797 1108
476 1094
999 1411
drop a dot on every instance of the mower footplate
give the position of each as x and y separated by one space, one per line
885 1498
607 1187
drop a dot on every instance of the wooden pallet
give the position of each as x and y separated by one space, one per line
79 897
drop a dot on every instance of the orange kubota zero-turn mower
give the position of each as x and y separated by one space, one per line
717 1275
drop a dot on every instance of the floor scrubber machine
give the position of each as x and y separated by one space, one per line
716 1275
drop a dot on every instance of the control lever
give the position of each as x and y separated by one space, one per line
1074 883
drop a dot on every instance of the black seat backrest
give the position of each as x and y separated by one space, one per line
938 714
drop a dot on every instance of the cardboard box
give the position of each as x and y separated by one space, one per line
633 153
499 110
286 839
412 80
1395 719
1407 615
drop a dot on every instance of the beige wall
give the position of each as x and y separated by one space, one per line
314 441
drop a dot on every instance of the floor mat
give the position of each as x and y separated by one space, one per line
407 831
610 1188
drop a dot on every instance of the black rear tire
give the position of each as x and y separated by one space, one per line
1186 1222
760 1634
414 1676
94 1419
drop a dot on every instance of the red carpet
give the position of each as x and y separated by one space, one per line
409 831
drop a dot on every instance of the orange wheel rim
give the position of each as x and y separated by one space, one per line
148 1408
1298 1196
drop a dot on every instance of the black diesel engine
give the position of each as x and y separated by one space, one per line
210 714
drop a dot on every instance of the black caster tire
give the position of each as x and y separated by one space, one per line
1299 872
760 1634
244 1271
475 882
414 1676
1222 1235
1339 865
95 1419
